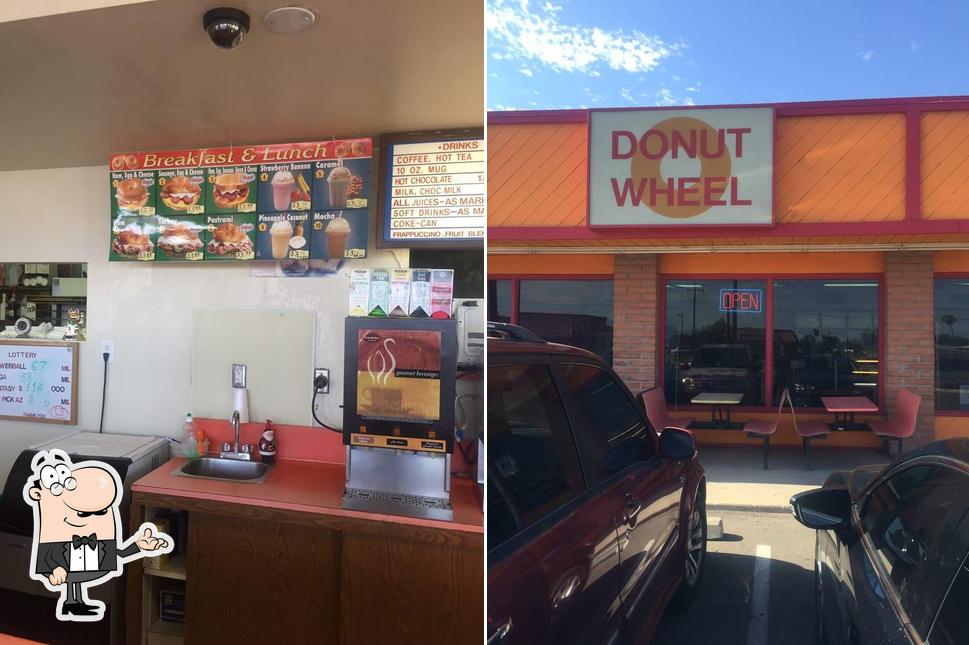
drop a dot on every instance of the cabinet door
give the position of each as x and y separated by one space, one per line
403 591
255 581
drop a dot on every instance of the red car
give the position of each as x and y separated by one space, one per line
594 518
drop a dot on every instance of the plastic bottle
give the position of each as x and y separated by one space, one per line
189 442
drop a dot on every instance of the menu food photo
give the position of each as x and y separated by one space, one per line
302 205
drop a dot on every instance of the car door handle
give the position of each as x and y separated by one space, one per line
630 512
566 590
501 633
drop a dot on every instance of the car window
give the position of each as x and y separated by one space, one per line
502 523
531 450
603 399
952 625
604 413
911 519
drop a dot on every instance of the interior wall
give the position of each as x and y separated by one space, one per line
62 215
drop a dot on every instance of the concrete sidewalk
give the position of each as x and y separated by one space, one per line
736 480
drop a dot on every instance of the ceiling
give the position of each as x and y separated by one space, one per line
78 86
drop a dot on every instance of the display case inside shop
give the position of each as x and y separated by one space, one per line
399 391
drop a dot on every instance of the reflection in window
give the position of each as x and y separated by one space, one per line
531 452
572 312
825 339
912 520
952 344
499 301
715 339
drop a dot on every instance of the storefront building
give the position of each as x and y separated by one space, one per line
817 247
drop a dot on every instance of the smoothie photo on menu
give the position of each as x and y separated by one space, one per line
280 233
337 232
283 185
339 184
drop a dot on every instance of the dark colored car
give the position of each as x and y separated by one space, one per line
594 518
892 546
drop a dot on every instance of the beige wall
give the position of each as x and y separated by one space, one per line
24 9
63 215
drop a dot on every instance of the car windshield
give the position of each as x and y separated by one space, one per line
732 356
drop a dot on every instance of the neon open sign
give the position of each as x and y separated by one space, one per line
750 301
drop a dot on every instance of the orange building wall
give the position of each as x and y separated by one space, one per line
761 263
564 264
951 261
846 168
945 158
537 174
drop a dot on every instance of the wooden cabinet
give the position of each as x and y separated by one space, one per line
255 581
260 575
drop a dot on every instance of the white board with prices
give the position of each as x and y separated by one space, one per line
434 190
38 381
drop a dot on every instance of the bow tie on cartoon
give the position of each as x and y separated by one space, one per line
84 540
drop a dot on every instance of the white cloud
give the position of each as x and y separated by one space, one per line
519 32
524 71
915 45
866 55
627 95
665 97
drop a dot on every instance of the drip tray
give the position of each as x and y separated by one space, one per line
378 501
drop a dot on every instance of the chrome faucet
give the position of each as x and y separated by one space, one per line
235 451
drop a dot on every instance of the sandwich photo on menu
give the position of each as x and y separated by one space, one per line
229 240
131 242
180 192
131 195
230 190
178 239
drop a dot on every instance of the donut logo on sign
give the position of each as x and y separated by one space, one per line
679 197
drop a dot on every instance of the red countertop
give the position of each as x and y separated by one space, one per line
308 487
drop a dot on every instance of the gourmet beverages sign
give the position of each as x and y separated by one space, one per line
681 167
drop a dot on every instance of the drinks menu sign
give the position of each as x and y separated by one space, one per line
434 189
681 167
294 203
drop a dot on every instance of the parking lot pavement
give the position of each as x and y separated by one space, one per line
757 588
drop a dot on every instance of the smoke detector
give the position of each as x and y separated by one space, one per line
289 20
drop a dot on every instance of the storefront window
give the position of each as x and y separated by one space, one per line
952 344
499 301
573 312
715 339
825 340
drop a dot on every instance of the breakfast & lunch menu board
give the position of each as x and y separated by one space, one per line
293 203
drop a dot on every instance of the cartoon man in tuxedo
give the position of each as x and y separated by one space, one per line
76 527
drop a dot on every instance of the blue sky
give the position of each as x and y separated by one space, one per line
601 53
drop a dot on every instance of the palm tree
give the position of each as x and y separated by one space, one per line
950 320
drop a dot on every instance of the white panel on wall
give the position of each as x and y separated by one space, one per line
277 348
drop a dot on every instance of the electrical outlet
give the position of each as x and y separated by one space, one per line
325 373
238 375
107 347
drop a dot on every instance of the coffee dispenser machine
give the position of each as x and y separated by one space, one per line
398 415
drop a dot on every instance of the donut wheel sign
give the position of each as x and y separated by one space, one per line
643 167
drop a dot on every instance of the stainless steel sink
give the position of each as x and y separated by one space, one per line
252 472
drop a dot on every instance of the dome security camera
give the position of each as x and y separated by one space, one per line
226 27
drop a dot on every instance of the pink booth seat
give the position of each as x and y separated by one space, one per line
810 429
763 429
902 422
655 402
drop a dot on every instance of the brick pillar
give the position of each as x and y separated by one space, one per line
909 361
635 309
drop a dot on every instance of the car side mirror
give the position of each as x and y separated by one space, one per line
823 509
677 443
